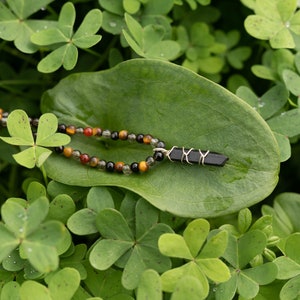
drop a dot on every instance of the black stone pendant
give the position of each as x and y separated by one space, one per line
196 156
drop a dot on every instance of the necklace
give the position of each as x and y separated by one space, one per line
159 152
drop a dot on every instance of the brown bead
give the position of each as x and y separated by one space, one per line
68 151
123 135
147 139
119 166
70 130
94 161
143 166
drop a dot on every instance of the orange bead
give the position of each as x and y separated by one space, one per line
97 131
68 151
143 167
71 130
147 139
123 134
119 166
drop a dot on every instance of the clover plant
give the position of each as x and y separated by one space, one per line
217 75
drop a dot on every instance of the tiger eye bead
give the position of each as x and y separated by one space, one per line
143 166
94 161
97 131
71 130
147 139
123 135
68 151
119 166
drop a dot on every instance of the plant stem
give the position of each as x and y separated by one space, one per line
42 168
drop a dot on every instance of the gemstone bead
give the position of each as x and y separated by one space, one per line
94 161
84 158
59 149
70 130
139 138
160 144
88 131
134 167
147 139
79 130
114 135
68 151
143 167
97 131
131 137
158 156
119 166
150 161
106 133
123 135
127 170
61 128
110 166
76 154
101 164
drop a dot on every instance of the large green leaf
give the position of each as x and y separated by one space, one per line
181 108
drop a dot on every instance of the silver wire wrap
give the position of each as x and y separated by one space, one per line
202 157
184 156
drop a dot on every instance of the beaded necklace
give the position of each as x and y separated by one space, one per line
175 154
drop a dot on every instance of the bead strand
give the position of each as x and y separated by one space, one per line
3 117
110 166
175 154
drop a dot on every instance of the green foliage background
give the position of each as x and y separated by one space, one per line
69 234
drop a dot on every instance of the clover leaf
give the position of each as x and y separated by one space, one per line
15 25
202 252
202 49
246 280
83 221
285 214
66 52
62 285
274 21
274 63
149 286
193 3
149 41
235 56
24 226
20 132
268 105
136 249
289 267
